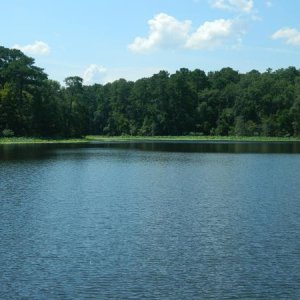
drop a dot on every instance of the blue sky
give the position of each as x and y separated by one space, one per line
104 40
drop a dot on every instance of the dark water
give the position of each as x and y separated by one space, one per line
150 221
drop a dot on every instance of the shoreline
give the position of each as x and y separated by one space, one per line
107 139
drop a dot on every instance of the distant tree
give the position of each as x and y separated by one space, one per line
75 110
20 88
222 102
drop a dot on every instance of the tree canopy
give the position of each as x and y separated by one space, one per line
223 102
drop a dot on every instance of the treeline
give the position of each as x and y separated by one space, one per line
224 102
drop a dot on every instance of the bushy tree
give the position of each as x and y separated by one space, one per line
223 102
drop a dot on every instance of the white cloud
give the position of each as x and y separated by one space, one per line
291 36
213 34
165 32
93 74
244 6
38 48
168 32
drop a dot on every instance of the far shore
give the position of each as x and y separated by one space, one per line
107 139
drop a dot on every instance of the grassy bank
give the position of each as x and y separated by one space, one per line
91 138
191 138
29 140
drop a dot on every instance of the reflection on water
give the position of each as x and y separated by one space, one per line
174 221
38 151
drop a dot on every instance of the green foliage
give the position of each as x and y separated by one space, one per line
7 133
20 90
223 102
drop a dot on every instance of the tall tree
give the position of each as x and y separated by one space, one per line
21 82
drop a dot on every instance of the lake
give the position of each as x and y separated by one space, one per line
150 221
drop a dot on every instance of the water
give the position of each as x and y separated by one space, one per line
150 221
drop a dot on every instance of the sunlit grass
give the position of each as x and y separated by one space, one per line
190 138
28 140
96 138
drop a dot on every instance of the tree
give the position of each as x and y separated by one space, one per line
75 109
21 83
187 102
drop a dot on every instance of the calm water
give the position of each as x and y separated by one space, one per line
150 221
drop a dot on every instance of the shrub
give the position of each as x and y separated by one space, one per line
8 133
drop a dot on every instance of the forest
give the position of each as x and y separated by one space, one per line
224 102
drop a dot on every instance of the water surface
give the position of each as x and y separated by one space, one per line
150 221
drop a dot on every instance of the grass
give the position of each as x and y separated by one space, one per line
191 138
95 138
29 140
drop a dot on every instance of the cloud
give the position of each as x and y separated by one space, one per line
165 32
291 36
37 48
214 34
242 6
93 74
